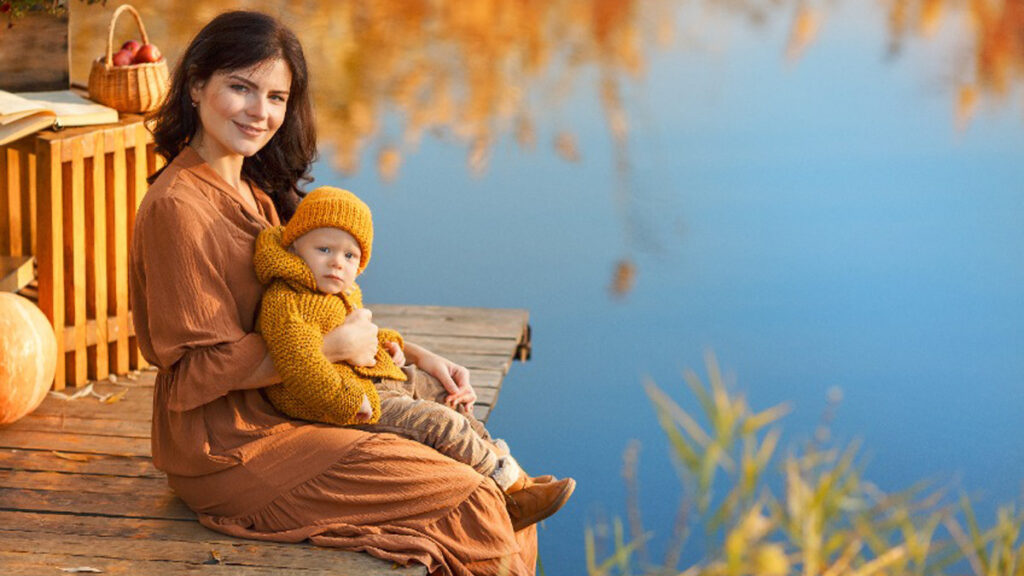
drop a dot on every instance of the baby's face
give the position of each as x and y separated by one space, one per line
333 255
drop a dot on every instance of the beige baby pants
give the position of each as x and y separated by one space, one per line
415 409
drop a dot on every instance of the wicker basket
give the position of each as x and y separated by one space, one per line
136 88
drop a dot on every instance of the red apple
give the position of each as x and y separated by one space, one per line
147 53
122 58
132 46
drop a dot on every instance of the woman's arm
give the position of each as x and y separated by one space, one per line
453 377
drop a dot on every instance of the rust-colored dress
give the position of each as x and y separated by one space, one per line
246 469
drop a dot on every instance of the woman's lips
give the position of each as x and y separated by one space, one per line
249 130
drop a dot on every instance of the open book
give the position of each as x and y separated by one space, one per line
23 113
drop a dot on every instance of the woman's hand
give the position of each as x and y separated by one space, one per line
365 412
354 342
453 377
396 353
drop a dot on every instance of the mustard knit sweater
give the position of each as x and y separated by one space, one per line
293 319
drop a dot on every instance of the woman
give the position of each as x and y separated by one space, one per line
237 131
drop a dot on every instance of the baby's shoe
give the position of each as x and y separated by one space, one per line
535 502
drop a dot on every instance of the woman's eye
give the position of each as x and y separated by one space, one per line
279 98
239 87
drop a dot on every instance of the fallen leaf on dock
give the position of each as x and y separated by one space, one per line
214 558
66 456
79 394
113 397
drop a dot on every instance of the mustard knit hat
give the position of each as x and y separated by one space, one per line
328 207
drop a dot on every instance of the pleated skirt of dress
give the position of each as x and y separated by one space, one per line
399 501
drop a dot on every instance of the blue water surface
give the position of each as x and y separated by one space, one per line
817 224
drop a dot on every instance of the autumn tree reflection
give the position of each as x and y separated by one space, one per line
475 70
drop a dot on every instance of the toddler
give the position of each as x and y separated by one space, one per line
310 266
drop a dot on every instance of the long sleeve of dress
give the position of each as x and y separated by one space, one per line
312 388
196 333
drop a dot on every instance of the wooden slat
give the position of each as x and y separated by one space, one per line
29 187
186 545
47 481
35 563
10 203
138 170
83 443
117 248
78 463
164 506
137 405
68 424
451 321
96 262
446 345
73 192
50 243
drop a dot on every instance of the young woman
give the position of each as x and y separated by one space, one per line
237 132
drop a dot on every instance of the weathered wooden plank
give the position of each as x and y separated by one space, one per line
76 425
46 481
165 506
474 327
46 460
499 362
235 558
84 443
446 345
183 542
455 312
137 405
456 321
53 561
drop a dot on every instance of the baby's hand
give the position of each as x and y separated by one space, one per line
365 411
396 353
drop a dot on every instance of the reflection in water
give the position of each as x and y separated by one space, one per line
996 31
387 71
467 70
473 70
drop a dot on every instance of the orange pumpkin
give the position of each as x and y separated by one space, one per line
28 357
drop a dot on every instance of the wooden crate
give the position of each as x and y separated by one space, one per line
69 198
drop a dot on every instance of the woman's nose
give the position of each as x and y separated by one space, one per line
257 107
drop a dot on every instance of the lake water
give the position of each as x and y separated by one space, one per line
830 197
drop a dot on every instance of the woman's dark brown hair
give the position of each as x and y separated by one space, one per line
234 41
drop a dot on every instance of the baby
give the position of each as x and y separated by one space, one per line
310 266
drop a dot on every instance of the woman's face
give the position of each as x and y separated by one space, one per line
240 110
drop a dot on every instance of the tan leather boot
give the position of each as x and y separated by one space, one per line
525 481
536 502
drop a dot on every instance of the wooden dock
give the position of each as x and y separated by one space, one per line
78 489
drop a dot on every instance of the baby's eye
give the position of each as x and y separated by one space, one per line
349 255
324 250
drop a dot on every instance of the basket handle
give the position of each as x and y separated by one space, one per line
110 30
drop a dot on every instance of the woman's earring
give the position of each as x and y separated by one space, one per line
193 103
